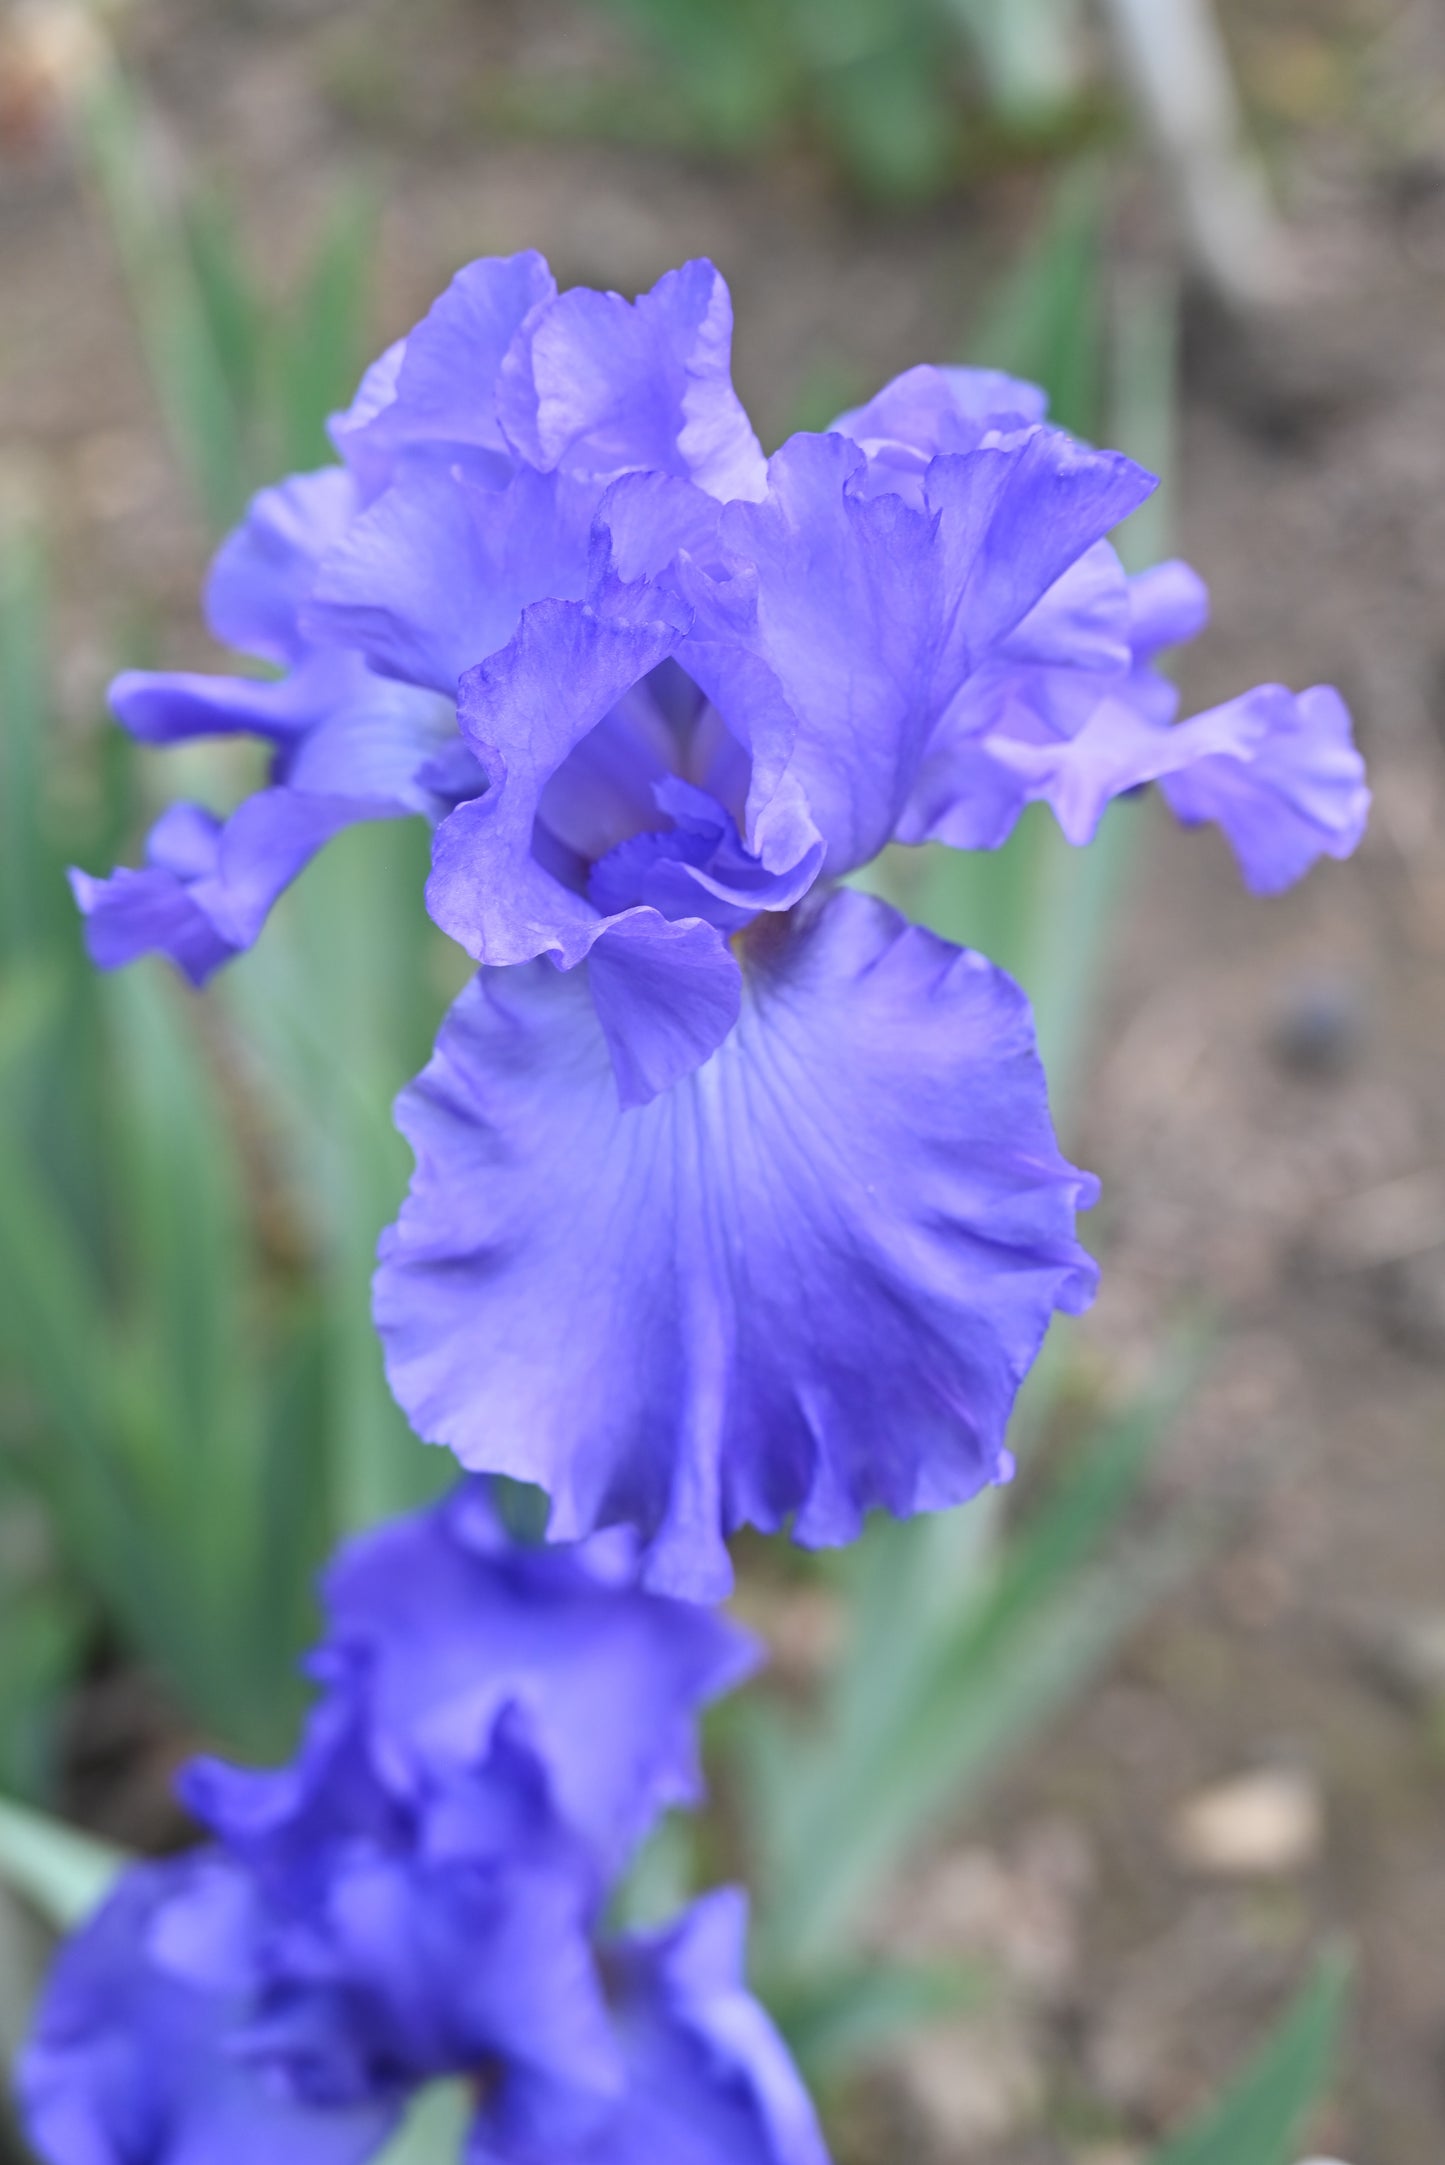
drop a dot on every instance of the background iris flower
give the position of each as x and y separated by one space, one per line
418 1895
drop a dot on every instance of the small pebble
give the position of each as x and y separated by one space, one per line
1319 1028
1257 1826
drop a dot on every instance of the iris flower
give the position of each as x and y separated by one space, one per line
737 1199
417 1896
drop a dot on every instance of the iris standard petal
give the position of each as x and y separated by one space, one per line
437 1621
807 1279
263 572
600 385
435 393
926 411
434 576
853 622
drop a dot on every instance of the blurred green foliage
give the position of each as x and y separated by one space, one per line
191 1187
903 95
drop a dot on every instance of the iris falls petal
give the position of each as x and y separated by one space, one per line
807 1279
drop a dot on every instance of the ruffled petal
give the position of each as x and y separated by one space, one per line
808 1279
523 712
435 575
153 911
600 385
170 705
438 1621
1279 773
1092 640
928 411
1293 794
131 2058
851 622
436 1927
263 573
666 992
709 2080
205 902
435 392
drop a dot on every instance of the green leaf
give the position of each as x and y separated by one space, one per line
902 1740
1047 320
62 1873
320 351
24 717
234 310
434 2131
154 249
1261 2118
847 2018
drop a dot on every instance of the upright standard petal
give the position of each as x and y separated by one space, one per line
806 1280
600 385
263 572
434 577
435 1623
666 989
850 622
928 411
131 2057
435 394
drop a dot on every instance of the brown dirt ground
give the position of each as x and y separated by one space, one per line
1306 1200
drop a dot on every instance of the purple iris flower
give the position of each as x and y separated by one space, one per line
440 1624
472 426
736 1198
417 1896
780 1164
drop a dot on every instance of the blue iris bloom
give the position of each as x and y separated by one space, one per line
417 1896
737 1199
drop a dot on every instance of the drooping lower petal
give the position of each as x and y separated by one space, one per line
209 885
1279 773
807 1279
1295 794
